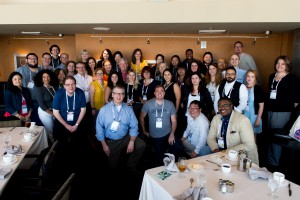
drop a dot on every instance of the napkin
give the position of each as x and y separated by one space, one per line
169 163
32 131
256 172
4 172
13 149
196 193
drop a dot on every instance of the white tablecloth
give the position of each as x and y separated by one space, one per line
154 188
32 147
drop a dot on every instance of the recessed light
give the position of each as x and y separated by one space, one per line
31 32
212 31
101 28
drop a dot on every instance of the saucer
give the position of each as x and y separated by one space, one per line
235 159
10 163
191 167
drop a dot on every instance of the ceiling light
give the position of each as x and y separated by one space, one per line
211 31
31 32
101 29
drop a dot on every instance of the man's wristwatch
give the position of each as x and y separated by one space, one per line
76 124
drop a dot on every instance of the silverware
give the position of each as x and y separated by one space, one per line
191 180
12 128
290 190
213 162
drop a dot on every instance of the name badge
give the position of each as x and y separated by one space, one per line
70 116
114 126
24 109
273 94
158 122
145 97
129 100
30 84
221 142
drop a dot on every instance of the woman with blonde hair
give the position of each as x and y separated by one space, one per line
97 88
131 88
255 107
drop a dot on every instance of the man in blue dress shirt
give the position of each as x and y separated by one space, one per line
117 130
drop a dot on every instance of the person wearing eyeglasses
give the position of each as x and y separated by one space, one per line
231 130
237 92
69 108
117 130
195 136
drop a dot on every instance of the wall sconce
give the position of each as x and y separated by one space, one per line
47 42
148 41
254 42
198 41
100 41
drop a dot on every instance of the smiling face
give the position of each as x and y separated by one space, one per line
212 70
114 79
99 74
159 59
234 60
281 66
105 55
230 75
194 110
46 60
159 93
46 79
71 67
107 67
175 61
195 79
207 58
92 64
250 78
118 95
194 67
167 76
80 68
70 86
131 77
225 107
238 48
138 55
17 80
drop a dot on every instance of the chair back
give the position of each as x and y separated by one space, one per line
64 192
48 166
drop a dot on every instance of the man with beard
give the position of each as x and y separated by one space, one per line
235 91
28 72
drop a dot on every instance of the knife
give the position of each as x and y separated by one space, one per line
290 190
12 128
213 162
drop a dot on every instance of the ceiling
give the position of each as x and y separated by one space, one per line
148 28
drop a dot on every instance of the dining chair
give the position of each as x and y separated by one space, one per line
64 191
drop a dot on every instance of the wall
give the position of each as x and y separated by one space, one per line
264 52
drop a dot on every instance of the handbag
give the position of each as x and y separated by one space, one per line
295 130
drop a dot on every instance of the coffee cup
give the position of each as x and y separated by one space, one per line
28 136
226 168
32 125
232 154
278 177
8 158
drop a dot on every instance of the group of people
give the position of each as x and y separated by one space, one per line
219 105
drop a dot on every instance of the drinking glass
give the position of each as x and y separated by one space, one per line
27 125
201 179
273 185
182 164
7 139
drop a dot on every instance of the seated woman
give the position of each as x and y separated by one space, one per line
18 102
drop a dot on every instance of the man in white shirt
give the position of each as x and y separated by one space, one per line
195 136
235 91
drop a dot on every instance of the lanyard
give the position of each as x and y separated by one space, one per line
145 93
131 91
101 85
277 82
167 86
30 76
51 92
113 107
162 111
68 102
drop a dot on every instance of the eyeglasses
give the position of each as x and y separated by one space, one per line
230 74
224 106
68 85
32 59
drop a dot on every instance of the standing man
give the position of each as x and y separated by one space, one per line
69 108
237 92
189 59
231 130
28 72
64 59
162 125
55 60
117 130
46 60
222 65
195 136
246 61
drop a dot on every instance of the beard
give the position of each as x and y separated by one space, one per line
230 80
33 66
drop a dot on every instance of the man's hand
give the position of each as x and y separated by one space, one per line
171 139
130 147
106 149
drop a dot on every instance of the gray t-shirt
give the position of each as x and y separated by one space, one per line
154 111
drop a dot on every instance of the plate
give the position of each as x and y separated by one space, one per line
192 168
13 162
235 159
